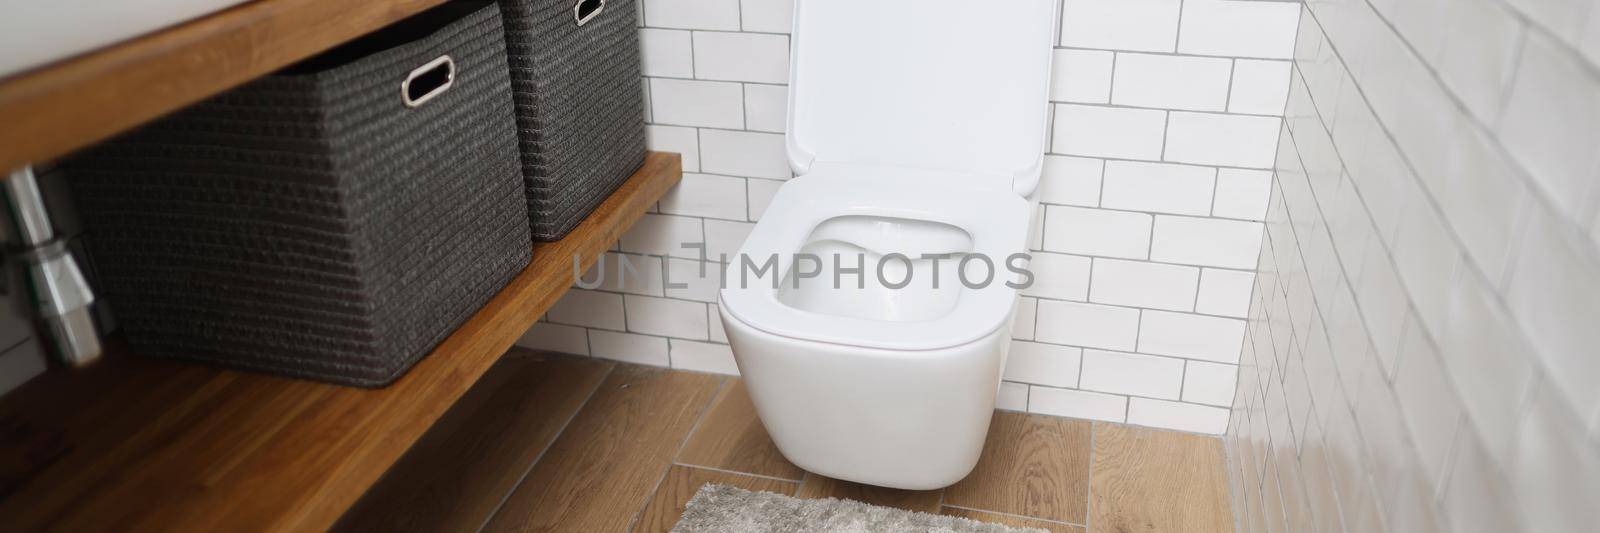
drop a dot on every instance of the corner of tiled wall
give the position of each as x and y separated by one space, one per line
1421 350
1165 121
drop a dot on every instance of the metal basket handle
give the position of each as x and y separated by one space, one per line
428 81
586 10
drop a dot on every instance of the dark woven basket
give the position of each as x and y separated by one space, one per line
310 223
580 104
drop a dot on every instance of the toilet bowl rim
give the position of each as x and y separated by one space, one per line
997 220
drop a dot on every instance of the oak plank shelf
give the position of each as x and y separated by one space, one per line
50 111
136 443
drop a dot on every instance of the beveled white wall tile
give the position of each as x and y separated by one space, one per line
1242 193
705 195
1022 326
739 153
1192 336
1011 397
664 235
1476 494
1141 284
684 141
702 357
1133 374
1176 415
723 238
1555 142
1428 402
736 56
761 193
1171 82
714 317
1147 25
1097 232
699 280
1158 187
1081 76
1553 294
1479 53
543 336
1206 241
666 53
1108 132
1224 292
589 309
1043 364
1071 181
766 107
711 104
1089 325
1486 359
1222 140
666 317
1239 29
692 14
1059 276
1259 87
1209 383
1555 473
629 347
770 16
626 272
1077 404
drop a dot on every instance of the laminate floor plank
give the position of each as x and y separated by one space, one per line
463 467
1154 480
731 437
680 485
1032 465
603 468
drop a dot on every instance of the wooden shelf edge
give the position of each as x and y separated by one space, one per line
138 443
50 111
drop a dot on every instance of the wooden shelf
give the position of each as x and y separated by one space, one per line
50 111
138 443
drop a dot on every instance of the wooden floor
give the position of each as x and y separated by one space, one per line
559 443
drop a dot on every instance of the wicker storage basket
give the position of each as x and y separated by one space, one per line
580 105
333 221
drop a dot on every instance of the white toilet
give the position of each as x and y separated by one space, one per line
915 127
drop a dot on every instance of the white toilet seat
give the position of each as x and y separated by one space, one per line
996 219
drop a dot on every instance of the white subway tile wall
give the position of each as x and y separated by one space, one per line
1421 349
1154 193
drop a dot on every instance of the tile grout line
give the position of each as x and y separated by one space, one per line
538 458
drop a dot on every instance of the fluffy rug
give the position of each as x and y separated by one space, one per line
727 509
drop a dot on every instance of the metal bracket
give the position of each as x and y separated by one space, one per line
60 296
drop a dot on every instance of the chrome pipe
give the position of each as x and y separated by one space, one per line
60 297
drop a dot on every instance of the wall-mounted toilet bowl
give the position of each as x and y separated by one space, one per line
869 310
853 378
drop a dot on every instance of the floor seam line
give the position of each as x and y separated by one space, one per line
564 425
705 411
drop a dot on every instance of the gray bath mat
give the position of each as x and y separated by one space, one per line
727 509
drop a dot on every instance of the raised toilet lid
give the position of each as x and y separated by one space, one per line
951 85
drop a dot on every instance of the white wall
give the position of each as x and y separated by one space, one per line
1423 341
1165 125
